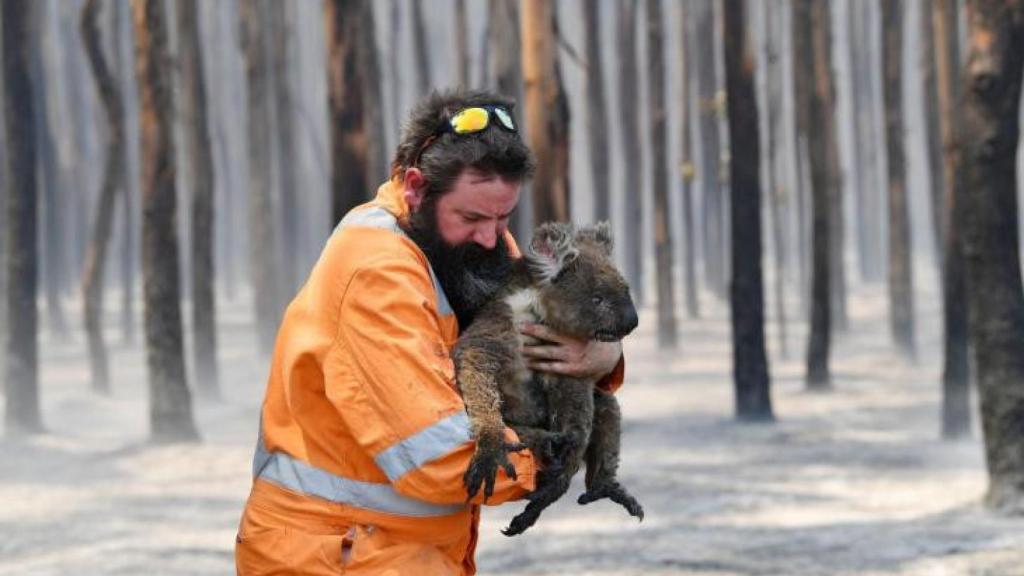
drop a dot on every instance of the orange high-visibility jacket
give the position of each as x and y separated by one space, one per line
364 438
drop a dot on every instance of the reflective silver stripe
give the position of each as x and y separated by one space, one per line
378 217
428 444
287 472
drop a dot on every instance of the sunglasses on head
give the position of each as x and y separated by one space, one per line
469 121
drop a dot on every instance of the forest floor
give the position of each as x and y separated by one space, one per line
852 481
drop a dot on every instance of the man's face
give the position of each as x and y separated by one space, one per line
476 209
462 235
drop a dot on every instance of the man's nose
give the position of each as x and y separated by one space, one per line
486 236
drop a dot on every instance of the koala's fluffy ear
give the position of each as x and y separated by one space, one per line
551 249
599 235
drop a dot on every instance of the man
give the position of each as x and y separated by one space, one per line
364 438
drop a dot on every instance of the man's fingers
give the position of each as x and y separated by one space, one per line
543 332
544 352
554 367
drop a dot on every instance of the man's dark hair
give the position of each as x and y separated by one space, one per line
494 150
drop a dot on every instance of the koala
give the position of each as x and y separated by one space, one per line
566 280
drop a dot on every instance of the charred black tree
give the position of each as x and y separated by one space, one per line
746 289
505 73
113 180
989 215
632 184
346 75
254 14
170 403
597 112
901 277
21 371
956 391
687 168
711 150
547 112
197 130
933 141
667 332
810 56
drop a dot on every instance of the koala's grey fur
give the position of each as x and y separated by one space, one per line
566 281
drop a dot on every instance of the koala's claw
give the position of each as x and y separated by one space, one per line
616 493
483 469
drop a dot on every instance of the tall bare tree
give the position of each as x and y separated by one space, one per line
129 233
990 232
21 388
170 403
462 70
597 111
685 61
750 363
861 49
346 74
113 173
711 150
421 49
254 15
956 394
812 97
667 332
776 193
629 117
547 111
901 281
282 30
933 140
197 129
505 73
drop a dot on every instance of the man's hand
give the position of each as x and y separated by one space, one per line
560 354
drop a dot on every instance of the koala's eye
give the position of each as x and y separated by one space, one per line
597 300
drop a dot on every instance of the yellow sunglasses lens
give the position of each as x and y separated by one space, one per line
470 120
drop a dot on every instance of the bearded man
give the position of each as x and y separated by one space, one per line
364 438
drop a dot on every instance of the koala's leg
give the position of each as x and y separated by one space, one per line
603 456
553 448
481 362
570 406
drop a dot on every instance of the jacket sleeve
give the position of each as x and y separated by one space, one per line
613 381
390 377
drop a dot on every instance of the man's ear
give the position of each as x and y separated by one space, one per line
414 188
551 249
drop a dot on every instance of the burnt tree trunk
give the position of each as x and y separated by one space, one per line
193 91
956 392
349 136
261 227
113 179
711 150
282 28
810 55
868 210
901 281
825 83
687 166
129 234
170 403
667 332
933 140
547 112
21 386
506 76
462 71
597 112
632 180
422 51
776 192
746 290
990 238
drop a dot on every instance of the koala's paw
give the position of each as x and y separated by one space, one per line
483 468
521 522
616 493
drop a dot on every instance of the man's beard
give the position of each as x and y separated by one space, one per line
468 273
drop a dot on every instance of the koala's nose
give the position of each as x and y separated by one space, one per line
630 320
